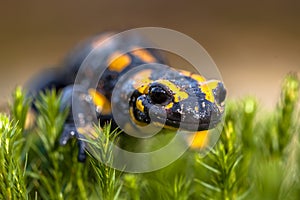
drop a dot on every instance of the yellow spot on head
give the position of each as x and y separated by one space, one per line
208 93
136 122
139 105
142 81
118 62
100 101
198 140
207 88
177 93
198 78
143 55
143 89
213 83
170 105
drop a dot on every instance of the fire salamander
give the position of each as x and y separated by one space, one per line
161 95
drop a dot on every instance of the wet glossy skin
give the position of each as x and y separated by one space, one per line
174 98
187 100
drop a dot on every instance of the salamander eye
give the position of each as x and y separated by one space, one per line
159 96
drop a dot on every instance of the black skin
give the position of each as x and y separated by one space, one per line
63 79
205 118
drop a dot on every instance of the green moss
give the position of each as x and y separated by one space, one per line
12 179
256 157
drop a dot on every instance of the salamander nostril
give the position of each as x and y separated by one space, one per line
220 93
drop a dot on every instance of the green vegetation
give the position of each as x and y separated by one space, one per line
256 157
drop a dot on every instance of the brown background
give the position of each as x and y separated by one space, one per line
254 43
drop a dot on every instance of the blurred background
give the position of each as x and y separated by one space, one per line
254 43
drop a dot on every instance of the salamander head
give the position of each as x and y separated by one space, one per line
177 99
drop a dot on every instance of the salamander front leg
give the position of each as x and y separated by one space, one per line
70 130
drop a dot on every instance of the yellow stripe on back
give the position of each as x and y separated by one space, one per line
196 77
117 61
144 55
100 101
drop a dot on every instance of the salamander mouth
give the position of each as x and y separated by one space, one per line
186 115
185 118
194 125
